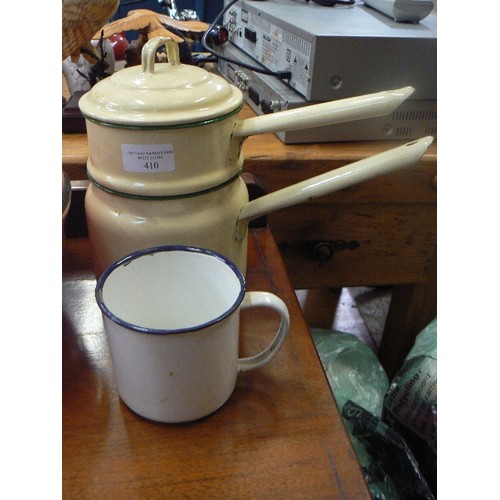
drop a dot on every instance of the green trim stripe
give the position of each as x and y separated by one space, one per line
163 198
166 127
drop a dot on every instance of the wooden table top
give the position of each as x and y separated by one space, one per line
280 435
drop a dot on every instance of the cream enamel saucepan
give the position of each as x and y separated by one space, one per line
165 157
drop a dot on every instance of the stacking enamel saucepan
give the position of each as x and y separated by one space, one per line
165 157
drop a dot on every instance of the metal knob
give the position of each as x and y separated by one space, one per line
323 251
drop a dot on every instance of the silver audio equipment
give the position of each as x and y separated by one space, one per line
268 94
336 52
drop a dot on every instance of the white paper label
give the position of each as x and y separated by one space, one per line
148 157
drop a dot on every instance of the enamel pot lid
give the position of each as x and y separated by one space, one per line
163 94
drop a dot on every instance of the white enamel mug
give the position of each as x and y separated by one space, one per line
171 316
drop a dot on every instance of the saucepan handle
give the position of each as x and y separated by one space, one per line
326 113
266 299
335 180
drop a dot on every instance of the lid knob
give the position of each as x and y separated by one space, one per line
149 53
160 95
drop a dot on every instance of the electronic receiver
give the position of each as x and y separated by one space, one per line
336 52
267 94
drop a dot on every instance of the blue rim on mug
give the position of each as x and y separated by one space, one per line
167 248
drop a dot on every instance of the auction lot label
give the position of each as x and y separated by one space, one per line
148 157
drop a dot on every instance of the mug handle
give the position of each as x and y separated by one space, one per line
265 299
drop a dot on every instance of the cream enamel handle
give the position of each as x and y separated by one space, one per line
326 113
335 180
149 52
266 299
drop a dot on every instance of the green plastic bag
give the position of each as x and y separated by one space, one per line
355 375
359 385
353 370
410 405
412 397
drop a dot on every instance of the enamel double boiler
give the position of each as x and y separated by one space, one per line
165 157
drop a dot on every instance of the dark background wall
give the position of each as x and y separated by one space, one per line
207 9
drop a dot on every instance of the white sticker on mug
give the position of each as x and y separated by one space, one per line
148 157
